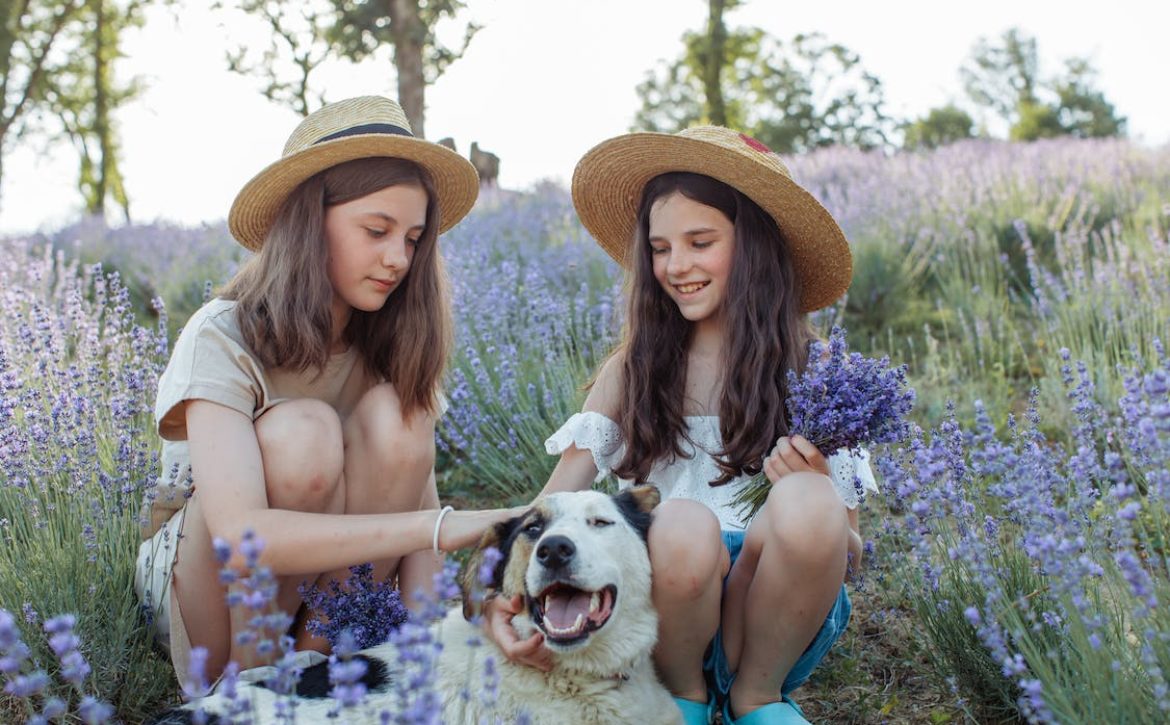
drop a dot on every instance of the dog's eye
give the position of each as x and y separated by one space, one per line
534 528
600 522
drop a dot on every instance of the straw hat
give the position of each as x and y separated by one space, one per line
355 128
609 179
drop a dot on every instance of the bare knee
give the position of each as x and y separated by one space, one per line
805 516
686 550
301 445
392 440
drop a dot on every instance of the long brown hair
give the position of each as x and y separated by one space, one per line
765 333
284 298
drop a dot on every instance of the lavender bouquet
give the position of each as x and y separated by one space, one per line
842 401
368 610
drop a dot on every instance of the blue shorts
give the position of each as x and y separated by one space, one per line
715 667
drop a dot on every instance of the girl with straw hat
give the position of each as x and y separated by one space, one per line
300 404
726 254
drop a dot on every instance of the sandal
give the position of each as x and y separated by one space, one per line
695 713
774 713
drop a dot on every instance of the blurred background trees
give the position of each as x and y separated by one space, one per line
57 83
306 33
794 96
57 80
1002 79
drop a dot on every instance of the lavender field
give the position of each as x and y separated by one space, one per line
1018 552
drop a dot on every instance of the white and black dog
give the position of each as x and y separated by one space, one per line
581 564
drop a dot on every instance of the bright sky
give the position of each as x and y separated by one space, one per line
545 80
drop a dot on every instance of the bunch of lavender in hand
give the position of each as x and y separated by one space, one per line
842 401
369 610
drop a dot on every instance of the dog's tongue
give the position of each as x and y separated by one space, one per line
561 608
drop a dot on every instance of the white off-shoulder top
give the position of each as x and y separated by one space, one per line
688 477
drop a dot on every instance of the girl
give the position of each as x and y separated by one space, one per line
726 254
301 403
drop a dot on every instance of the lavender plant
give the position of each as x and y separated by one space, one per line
32 686
155 260
361 609
841 401
77 381
1036 544
535 304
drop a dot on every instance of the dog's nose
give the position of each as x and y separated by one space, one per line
555 551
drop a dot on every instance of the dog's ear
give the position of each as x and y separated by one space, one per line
636 503
499 537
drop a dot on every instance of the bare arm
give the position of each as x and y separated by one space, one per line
227 466
576 470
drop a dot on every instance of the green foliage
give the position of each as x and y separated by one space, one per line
793 97
1082 109
31 35
305 35
57 82
1036 120
85 97
939 127
1004 75
1005 78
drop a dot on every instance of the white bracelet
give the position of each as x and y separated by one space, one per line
439 522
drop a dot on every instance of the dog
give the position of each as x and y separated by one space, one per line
580 562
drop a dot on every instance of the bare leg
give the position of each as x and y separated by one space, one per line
689 561
389 467
301 447
783 585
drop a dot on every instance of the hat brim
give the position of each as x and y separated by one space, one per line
609 179
256 206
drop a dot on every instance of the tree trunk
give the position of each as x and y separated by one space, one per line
409 35
713 70
101 111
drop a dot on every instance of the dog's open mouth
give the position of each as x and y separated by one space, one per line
566 614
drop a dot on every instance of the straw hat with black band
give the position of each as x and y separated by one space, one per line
609 179
356 128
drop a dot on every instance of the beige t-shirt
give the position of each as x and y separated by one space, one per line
212 362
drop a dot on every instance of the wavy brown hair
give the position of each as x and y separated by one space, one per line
765 333
284 297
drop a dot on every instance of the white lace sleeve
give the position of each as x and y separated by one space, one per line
853 476
589 431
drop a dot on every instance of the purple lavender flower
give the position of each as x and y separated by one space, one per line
196 684
844 401
366 610
64 643
487 568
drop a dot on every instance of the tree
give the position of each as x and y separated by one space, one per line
1005 78
56 58
1002 77
1082 109
30 33
939 127
85 95
793 97
711 57
315 31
